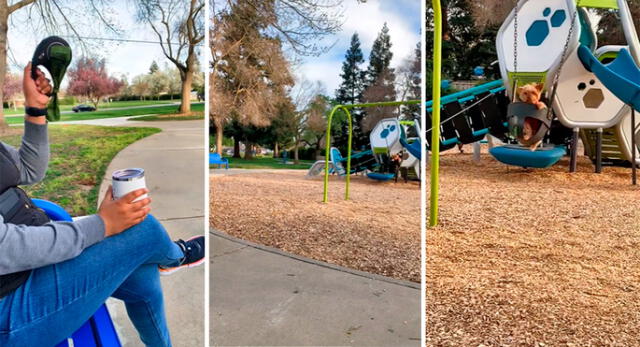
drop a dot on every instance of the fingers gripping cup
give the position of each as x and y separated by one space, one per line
127 180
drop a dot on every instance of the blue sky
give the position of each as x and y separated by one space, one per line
130 59
404 21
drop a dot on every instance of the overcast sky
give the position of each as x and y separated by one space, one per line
130 59
402 17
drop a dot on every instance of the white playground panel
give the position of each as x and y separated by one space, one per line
591 107
546 56
582 101
385 138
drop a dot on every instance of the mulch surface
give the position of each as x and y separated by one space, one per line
377 230
533 257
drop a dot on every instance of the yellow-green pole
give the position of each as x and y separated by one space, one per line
345 109
327 151
435 116
346 191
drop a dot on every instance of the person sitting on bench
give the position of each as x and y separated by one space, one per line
55 275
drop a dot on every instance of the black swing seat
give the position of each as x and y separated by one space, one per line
518 112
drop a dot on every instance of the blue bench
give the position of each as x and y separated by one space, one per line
99 329
216 159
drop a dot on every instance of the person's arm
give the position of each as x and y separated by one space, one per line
33 156
29 247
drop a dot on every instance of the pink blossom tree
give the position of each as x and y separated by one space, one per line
12 88
89 78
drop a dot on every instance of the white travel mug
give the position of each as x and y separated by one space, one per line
127 180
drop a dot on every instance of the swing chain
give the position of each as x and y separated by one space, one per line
556 77
515 38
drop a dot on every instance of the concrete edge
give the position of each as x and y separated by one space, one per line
273 250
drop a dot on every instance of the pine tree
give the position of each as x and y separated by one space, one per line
380 79
153 68
380 56
350 92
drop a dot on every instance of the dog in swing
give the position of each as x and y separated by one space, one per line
531 93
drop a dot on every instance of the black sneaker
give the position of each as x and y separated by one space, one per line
194 254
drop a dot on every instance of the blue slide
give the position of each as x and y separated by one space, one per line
415 148
621 76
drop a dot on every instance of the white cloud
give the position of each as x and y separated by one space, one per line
123 58
367 20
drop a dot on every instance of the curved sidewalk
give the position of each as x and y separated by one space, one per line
263 296
174 163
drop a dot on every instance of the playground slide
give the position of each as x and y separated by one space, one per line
317 168
360 161
621 76
415 148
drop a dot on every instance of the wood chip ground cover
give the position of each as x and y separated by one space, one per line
533 257
377 231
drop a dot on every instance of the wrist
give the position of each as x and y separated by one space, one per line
35 111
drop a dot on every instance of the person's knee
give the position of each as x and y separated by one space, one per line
151 231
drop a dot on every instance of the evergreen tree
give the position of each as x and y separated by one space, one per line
380 56
153 68
381 80
350 92
466 43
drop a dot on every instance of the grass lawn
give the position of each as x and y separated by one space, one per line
80 155
115 104
116 113
266 163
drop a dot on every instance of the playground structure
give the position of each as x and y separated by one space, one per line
590 91
387 138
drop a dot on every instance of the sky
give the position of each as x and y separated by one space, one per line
122 58
404 22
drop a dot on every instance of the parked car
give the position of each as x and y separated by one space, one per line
83 108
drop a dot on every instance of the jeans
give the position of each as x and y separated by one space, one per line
57 299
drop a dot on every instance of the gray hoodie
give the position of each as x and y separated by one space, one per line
27 247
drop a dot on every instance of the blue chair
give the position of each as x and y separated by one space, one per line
216 159
99 330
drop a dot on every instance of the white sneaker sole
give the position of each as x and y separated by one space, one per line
170 271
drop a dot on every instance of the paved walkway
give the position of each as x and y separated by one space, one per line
263 296
174 164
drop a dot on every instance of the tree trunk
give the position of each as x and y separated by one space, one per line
187 80
219 135
296 159
248 151
4 27
276 151
236 147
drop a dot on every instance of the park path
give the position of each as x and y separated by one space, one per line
263 296
174 164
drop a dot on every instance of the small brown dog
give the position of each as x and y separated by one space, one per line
531 93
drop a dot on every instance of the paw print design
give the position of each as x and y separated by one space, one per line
539 30
387 131
593 97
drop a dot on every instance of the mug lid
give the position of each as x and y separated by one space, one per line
130 174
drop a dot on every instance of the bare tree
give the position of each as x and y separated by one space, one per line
303 95
297 26
316 124
180 29
49 16
249 71
490 12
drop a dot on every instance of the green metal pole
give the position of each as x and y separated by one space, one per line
435 116
346 191
345 109
327 151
